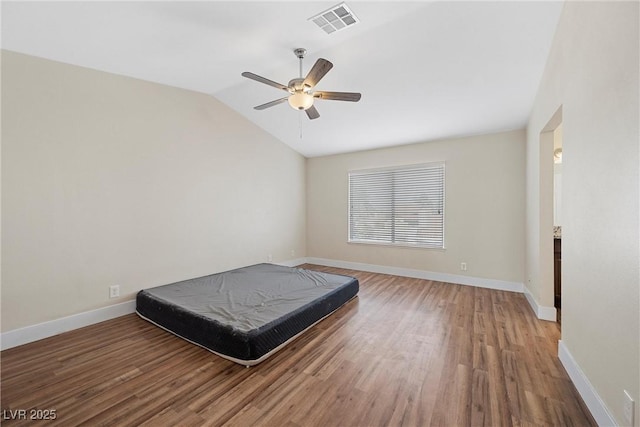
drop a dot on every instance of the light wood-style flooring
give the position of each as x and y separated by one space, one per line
405 352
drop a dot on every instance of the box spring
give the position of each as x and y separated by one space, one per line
247 314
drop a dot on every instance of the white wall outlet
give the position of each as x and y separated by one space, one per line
114 291
293 252
628 408
270 258
463 266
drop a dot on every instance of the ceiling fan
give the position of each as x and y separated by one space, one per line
300 95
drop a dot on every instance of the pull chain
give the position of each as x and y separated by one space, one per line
300 122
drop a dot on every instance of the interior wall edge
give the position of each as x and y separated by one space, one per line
541 311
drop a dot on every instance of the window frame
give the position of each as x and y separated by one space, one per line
441 164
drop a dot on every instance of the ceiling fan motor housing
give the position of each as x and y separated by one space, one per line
296 85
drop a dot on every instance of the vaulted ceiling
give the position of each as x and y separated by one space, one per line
426 69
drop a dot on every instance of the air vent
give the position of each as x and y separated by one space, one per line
335 19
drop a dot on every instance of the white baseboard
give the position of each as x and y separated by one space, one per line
54 327
480 282
591 398
541 311
47 329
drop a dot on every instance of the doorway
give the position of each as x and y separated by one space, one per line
550 250
557 221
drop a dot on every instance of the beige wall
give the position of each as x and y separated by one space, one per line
592 73
108 180
484 206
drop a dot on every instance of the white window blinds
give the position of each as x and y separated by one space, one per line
400 206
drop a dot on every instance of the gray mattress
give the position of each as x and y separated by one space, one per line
246 314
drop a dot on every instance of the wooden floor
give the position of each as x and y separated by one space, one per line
405 352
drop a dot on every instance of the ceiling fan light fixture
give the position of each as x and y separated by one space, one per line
300 101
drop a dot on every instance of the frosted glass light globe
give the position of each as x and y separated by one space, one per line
300 101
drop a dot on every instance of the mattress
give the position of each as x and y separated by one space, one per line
247 314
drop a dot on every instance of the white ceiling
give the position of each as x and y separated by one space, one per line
426 70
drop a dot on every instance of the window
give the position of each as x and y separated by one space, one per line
398 206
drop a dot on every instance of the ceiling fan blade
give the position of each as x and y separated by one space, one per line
317 72
264 80
271 104
312 113
338 96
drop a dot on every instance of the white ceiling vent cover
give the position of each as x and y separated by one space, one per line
334 19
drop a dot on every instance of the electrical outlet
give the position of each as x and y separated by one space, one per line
628 408
270 258
463 266
293 252
114 291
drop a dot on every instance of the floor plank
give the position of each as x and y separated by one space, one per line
406 352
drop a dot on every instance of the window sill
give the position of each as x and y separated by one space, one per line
395 245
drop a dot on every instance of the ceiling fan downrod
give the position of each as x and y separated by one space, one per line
300 53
